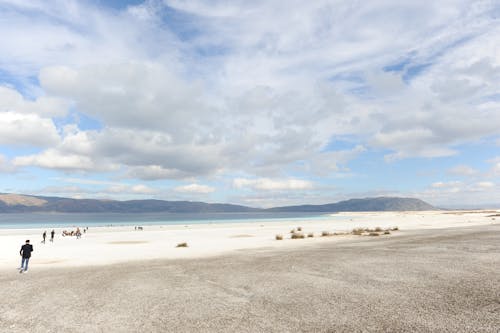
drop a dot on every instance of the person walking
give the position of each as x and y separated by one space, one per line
25 253
52 233
44 236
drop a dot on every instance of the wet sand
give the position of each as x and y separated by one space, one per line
433 280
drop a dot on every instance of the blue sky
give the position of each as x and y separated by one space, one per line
261 103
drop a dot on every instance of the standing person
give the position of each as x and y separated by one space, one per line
25 253
52 233
44 236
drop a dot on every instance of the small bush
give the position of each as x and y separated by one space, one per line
357 231
325 233
378 229
297 235
299 229
373 234
182 244
395 229
279 237
310 234
292 231
387 232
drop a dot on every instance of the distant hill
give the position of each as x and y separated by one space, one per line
17 203
362 205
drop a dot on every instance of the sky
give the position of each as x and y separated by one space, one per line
259 103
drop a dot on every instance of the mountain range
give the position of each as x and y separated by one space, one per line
18 203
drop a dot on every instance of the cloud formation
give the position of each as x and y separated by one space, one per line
201 92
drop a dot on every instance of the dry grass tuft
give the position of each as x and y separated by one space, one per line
387 232
297 235
358 231
373 234
292 231
310 234
279 237
299 229
395 229
378 229
325 233
182 244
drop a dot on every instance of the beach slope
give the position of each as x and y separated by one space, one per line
432 280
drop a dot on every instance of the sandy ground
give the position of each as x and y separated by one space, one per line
106 245
443 277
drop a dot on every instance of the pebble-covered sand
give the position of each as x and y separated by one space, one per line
433 280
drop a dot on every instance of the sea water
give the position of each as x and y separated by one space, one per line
62 220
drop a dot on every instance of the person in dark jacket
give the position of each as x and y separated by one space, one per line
25 253
52 233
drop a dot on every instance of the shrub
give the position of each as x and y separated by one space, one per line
310 234
182 244
395 229
279 237
387 232
357 231
378 229
299 229
297 235
292 231
325 233
373 234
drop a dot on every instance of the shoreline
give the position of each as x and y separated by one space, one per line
120 244
422 280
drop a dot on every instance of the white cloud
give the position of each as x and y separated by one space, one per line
244 89
27 129
485 184
194 188
266 184
130 189
451 184
463 170
6 165
53 159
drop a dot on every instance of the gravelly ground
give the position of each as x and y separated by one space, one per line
421 281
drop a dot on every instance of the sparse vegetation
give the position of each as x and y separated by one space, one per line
182 244
373 234
378 229
387 232
279 237
358 231
292 231
325 233
310 235
299 229
297 235
395 229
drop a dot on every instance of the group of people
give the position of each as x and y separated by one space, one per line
44 235
27 248
77 232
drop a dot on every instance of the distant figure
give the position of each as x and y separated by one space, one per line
52 233
78 233
25 253
44 235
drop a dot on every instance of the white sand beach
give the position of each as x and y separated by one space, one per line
439 273
108 245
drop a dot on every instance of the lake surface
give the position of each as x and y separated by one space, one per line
59 220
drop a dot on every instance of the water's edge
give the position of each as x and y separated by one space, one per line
60 220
